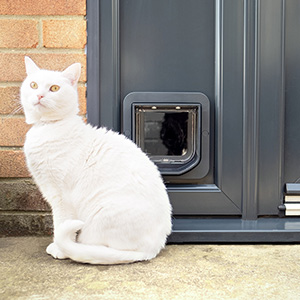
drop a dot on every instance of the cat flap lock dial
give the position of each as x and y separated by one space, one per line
172 128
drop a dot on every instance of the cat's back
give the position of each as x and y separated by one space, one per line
123 151
73 144
114 163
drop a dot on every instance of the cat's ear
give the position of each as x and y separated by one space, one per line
73 73
30 66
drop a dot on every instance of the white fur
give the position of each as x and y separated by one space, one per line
108 200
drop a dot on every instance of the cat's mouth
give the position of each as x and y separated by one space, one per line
39 104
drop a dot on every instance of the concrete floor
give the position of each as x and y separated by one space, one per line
179 272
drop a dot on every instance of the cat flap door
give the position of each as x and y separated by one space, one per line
172 128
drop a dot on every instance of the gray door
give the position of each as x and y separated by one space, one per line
241 55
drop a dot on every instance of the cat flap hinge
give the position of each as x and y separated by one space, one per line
292 199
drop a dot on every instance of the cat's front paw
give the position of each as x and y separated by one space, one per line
53 250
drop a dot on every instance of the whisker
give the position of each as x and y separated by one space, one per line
16 110
16 105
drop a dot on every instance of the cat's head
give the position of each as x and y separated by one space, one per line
49 95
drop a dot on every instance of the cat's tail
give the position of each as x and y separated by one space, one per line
65 238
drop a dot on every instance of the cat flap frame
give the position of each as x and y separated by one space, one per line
144 114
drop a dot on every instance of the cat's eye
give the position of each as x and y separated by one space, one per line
33 85
54 88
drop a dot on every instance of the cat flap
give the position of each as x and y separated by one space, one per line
168 134
172 128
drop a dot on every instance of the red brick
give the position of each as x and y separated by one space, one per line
15 69
13 131
12 164
20 223
18 33
43 7
10 100
64 33
82 100
21 195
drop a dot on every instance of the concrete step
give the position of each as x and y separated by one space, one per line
179 272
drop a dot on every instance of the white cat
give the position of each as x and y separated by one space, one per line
108 200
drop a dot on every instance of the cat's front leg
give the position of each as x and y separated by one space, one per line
58 217
60 214
55 252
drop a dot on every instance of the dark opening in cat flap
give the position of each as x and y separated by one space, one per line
167 133
172 128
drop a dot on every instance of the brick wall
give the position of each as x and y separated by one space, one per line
53 34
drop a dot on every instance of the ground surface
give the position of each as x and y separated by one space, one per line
179 272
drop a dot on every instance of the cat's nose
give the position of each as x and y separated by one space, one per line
40 97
